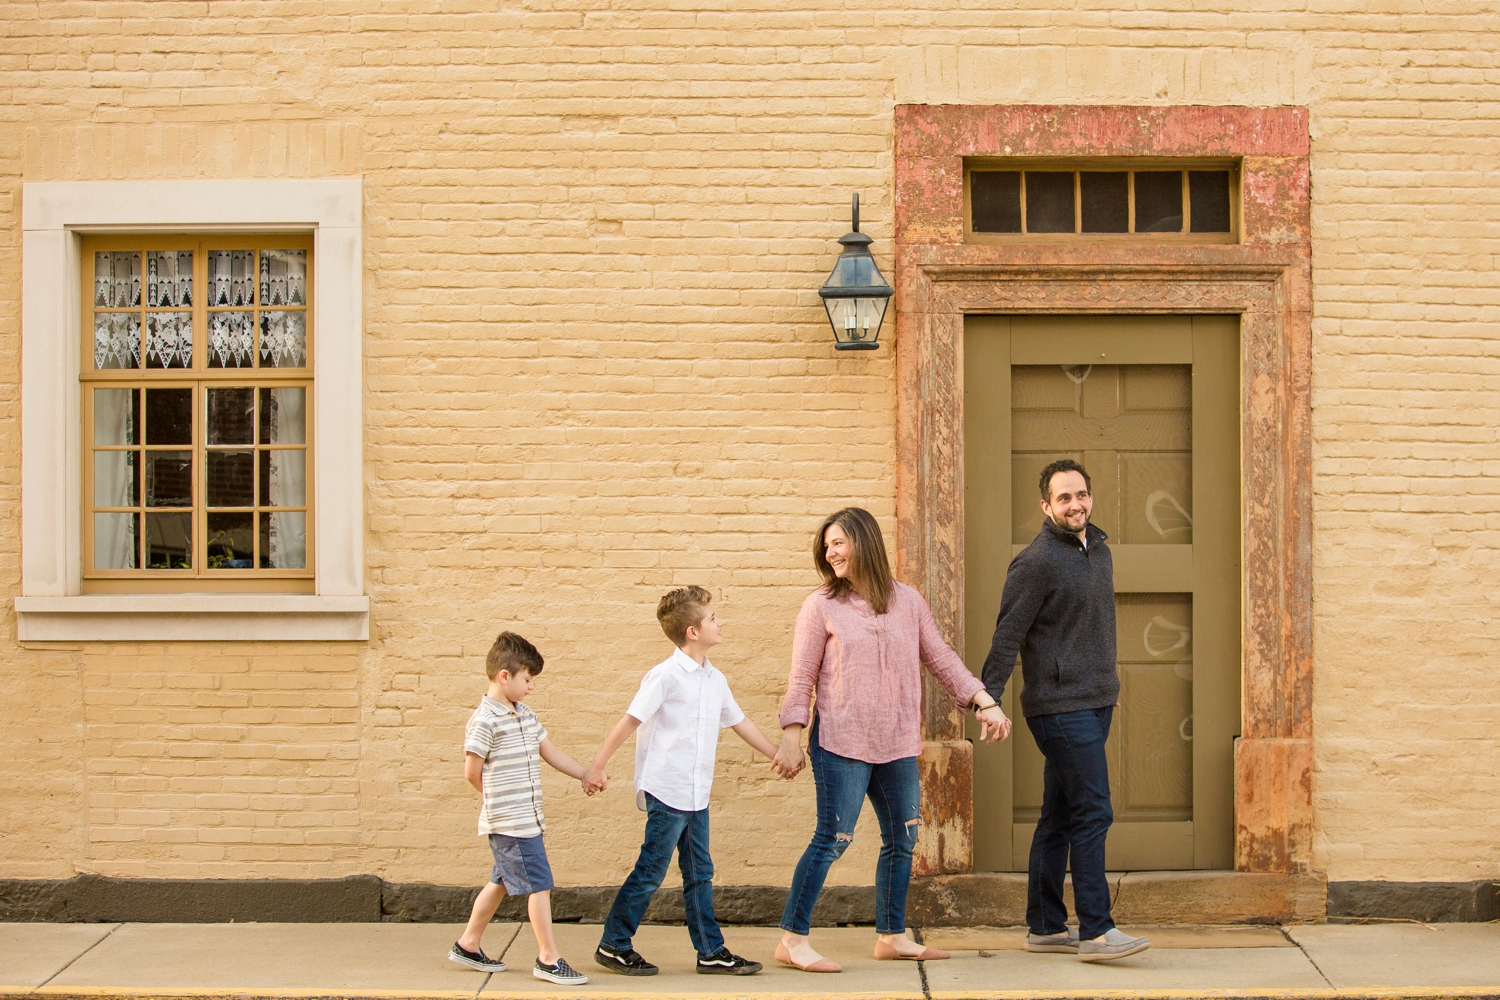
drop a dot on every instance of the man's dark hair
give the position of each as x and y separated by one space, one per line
1062 465
512 654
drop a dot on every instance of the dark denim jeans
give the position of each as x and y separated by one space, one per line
666 829
1076 816
842 784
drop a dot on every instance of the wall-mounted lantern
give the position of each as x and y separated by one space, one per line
856 294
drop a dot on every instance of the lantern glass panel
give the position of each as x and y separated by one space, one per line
856 320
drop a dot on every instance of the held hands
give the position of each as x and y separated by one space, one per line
994 726
788 760
594 779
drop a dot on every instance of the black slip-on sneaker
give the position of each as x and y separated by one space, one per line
561 973
476 960
626 963
725 963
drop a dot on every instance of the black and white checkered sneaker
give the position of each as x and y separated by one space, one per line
561 973
476 960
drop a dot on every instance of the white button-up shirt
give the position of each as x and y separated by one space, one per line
681 707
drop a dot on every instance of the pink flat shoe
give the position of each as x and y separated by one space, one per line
886 953
821 965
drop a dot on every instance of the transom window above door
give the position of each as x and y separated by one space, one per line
197 408
1094 200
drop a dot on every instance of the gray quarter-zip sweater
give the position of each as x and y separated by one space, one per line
1058 612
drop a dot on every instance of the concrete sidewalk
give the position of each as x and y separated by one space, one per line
354 960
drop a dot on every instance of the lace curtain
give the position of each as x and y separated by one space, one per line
114 482
287 548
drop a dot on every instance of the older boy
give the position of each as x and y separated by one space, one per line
503 746
682 704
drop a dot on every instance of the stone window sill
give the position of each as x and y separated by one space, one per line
192 618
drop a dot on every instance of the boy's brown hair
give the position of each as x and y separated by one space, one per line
513 654
682 609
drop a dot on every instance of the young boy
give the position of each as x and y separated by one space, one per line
503 744
682 704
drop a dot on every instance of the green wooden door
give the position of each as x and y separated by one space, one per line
1150 406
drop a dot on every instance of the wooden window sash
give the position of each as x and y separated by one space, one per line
198 378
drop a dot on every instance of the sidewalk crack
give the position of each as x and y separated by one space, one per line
1305 955
78 956
916 933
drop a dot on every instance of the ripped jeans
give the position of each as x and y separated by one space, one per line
842 784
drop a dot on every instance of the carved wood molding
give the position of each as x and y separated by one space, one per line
1266 279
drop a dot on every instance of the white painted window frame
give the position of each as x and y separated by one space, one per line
54 218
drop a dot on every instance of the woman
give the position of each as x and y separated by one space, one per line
861 641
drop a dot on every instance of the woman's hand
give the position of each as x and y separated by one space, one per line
789 760
994 726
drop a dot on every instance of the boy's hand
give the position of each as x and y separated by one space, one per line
594 780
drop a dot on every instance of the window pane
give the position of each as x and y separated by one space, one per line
169 541
169 416
116 483
230 541
231 340
231 277
231 415
231 478
117 341
1049 201
169 340
117 280
1209 192
169 479
1106 201
283 277
283 416
995 201
114 416
283 340
283 478
169 279
283 541
1158 201
115 541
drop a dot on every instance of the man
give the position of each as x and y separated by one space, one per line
1058 612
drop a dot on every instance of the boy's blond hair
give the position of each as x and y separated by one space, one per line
513 654
682 609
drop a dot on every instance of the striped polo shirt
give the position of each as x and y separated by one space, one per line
509 740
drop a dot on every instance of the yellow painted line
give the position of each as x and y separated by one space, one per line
1323 993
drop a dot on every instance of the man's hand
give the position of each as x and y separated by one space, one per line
594 780
994 726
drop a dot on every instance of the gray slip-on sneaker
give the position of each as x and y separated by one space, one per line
1063 941
1114 944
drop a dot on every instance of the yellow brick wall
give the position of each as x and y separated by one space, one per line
596 368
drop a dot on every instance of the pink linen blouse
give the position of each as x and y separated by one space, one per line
867 672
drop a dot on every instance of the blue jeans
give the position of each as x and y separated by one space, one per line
1076 817
666 829
842 784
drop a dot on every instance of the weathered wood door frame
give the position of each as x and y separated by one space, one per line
1265 279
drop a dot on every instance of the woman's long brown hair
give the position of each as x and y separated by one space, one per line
869 569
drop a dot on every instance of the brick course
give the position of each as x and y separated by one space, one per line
596 367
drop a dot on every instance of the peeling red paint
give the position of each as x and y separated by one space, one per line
1266 277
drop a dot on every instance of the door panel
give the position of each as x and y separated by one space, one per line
1144 403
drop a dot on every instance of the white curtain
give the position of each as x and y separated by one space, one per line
114 534
288 542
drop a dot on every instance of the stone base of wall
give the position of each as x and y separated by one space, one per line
1429 902
948 900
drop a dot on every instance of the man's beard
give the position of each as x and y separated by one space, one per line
1062 524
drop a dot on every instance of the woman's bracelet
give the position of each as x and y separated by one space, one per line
983 708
